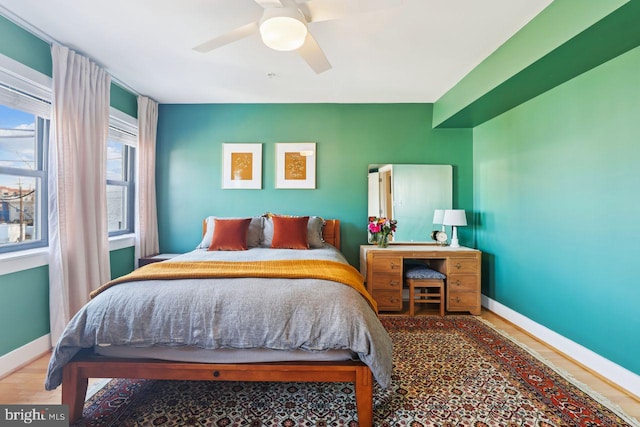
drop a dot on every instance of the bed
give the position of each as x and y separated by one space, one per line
196 325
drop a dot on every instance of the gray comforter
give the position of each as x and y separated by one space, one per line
239 313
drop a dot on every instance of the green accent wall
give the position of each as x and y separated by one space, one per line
349 137
566 39
123 100
122 261
24 47
24 307
24 300
556 192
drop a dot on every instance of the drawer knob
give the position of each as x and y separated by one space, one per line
457 282
457 299
394 283
394 266
216 374
458 266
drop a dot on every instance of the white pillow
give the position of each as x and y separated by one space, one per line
254 234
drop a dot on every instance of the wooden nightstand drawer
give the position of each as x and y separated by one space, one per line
457 301
388 300
387 264
462 283
462 265
387 281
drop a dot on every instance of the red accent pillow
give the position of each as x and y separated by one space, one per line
230 234
290 232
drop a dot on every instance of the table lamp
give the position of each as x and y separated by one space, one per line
455 218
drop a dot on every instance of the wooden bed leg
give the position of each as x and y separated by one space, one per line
74 390
364 396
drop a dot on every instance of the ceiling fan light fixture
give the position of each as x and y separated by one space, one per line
283 28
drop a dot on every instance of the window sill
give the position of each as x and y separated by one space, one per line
122 241
12 262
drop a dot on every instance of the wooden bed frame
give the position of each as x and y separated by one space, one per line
87 365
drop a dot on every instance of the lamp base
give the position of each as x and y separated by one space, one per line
454 237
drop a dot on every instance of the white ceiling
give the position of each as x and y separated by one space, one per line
403 51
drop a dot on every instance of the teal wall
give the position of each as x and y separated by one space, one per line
24 295
24 307
349 137
123 100
122 261
24 47
556 190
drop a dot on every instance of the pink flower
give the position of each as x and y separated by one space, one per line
381 225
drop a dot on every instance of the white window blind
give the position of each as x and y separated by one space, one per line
123 128
21 91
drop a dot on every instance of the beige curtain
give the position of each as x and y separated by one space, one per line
78 237
146 212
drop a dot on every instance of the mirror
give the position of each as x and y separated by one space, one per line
410 194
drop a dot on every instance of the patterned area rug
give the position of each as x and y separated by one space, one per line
451 371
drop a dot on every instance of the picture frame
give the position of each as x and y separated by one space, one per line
296 165
242 166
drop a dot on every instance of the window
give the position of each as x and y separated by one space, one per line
24 136
121 173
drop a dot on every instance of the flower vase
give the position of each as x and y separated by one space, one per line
372 239
383 240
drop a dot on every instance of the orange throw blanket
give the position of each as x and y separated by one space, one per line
287 269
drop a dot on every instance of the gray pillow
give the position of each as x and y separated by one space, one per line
314 229
254 234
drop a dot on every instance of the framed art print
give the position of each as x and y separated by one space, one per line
296 165
242 166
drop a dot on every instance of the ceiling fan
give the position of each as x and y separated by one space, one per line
283 26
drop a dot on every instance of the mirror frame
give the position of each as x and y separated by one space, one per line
410 193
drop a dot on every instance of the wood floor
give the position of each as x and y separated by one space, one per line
26 385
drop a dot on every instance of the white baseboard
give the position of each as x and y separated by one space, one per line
24 355
604 367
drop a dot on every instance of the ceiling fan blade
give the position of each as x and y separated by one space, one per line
230 37
313 55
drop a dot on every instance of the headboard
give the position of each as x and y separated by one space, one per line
330 232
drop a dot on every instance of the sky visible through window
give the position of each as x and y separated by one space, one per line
17 142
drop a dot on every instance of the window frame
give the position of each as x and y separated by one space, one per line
27 90
124 129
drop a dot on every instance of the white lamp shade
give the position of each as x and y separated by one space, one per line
455 217
438 215
283 28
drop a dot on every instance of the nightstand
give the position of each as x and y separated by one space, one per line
155 258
